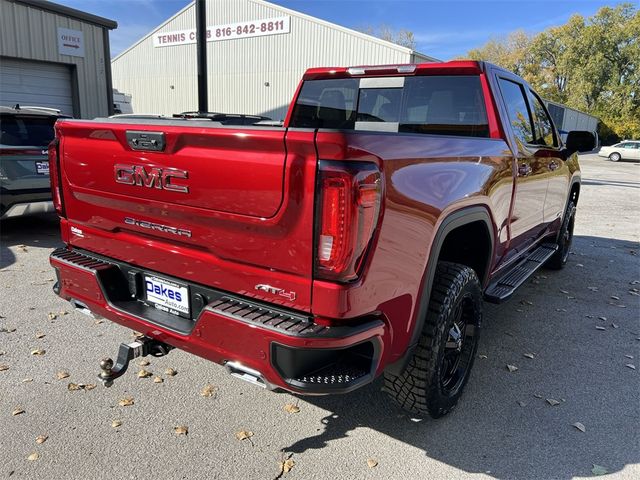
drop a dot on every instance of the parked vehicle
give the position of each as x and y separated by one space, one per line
358 240
625 150
25 133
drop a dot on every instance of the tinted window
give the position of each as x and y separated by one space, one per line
442 105
544 127
517 109
379 104
26 130
557 114
326 104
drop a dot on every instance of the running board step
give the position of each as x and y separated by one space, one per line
502 289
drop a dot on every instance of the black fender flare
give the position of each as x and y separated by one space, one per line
454 220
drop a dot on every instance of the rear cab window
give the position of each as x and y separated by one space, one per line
434 104
26 130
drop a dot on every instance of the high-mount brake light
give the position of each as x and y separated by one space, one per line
55 177
410 68
349 198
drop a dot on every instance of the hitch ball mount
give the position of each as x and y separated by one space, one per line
141 347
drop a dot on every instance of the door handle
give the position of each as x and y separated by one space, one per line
524 170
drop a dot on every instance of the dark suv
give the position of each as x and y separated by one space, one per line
25 133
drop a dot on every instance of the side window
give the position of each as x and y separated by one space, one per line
544 134
519 116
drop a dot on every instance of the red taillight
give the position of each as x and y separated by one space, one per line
348 209
54 177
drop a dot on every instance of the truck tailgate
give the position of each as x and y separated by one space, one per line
225 207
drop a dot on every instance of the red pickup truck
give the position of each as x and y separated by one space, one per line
359 239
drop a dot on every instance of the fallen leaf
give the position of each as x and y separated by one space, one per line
552 402
537 395
604 319
33 456
580 427
52 316
181 430
2 352
98 322
287 465
631 366
144 363
41 439
116 423
73 386
243 434
40 335
17 411
291 408
135 334
522 404
144 374
564 291
615 297
629 356
158 379
579 265
4 367
126 402
372 463
598 327
61 312
208 391
530 355
482 356
88 386
38 352
599 470
614 325
171 372
62 374
593 289
512 368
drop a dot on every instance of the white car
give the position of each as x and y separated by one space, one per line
627 149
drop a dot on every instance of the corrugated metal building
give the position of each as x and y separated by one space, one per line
55 56
567 119
256 53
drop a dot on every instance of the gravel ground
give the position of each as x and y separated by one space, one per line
504 427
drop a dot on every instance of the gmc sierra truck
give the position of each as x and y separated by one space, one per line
358 239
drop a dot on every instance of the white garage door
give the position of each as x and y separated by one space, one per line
35 83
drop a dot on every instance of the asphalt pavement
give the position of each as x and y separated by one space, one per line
581 325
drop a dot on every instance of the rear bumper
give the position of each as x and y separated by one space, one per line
16 203
286 349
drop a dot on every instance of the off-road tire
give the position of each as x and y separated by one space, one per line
419 388
615 157
565 237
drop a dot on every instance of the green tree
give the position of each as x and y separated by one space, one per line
589 64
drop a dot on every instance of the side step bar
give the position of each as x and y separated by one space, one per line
505 286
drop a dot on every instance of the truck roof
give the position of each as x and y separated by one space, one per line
454 67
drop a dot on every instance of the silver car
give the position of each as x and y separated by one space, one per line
627 150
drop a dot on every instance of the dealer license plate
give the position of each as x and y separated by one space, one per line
42 168
167 296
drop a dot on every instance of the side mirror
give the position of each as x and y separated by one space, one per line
580 141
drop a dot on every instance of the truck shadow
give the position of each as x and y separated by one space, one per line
37 231
503 426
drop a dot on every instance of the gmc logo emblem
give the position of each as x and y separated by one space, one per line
160 178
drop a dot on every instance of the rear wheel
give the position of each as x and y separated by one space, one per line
440 366
565 238
614 157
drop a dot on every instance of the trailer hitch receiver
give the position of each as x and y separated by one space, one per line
142 347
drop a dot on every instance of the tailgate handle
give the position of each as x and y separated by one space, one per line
149 141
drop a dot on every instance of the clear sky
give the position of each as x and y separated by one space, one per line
443 29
